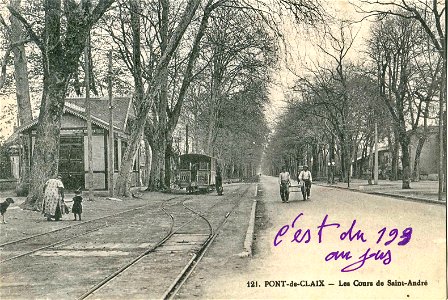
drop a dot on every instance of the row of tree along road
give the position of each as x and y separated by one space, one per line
206 65
397 91
202 63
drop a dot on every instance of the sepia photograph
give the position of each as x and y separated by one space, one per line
223 149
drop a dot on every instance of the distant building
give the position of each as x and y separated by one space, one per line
362 163
73 153
429 157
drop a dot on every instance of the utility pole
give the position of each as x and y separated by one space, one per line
375 167
332 162
348 158
111 131
348 175
89 117
186 139
442 99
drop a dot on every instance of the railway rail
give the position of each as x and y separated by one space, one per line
186 271
27 245
177 235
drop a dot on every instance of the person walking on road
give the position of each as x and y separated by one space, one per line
305 179
284 181
53 204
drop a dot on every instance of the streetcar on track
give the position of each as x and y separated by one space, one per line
197 172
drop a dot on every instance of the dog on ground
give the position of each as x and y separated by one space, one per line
4 206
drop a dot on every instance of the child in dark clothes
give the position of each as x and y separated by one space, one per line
77 205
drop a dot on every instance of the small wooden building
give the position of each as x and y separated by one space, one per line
73 155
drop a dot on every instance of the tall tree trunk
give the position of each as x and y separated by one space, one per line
421 143
124 179
158 157
394 153
23 97
403 136
188 76
315 166
349 158
161 151
148 160
122 186
345 158
370 169
418 152
405 160
46 148
60 55
168 157
162 104
355 163
20 68
363 159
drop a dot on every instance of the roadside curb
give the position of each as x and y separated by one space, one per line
385 194
248 241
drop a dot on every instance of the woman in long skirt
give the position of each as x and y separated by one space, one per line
53 199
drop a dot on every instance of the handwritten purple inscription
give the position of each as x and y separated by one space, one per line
386 237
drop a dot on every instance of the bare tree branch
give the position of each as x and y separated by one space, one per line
28 27
6 58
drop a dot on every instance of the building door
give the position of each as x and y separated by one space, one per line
71 162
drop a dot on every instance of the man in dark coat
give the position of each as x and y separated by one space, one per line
218 181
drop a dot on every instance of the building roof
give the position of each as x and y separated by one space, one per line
99 108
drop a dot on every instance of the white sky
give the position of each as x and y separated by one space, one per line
303 50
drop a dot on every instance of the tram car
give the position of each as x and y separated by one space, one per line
197 172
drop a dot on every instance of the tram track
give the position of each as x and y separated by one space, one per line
104 222
187 270
183 276
72 226
134 261
164 242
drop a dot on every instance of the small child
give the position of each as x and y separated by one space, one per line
77 205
